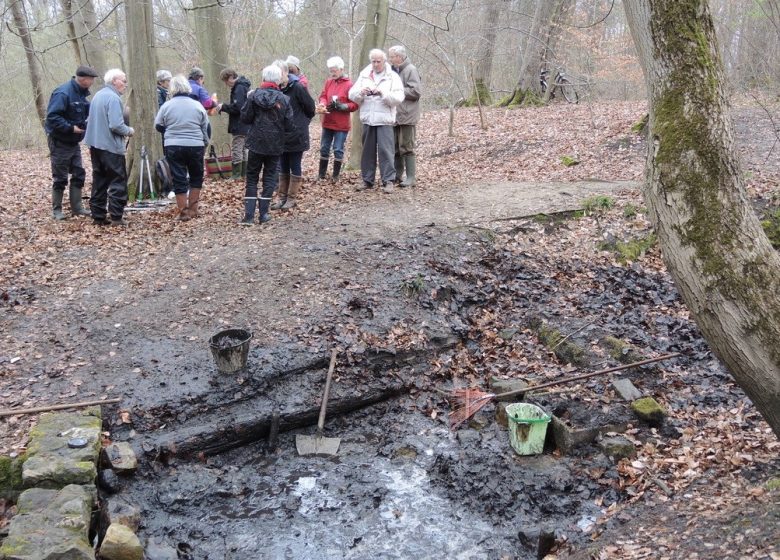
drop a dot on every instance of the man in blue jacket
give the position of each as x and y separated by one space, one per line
66 121
105 137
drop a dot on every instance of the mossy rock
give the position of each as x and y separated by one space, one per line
620 350
648 409
11 477
566 351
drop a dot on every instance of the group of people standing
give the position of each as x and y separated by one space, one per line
270 124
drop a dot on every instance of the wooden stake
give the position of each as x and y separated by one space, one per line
51 407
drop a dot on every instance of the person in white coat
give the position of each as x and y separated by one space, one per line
378 91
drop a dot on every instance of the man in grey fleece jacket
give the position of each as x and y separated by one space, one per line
106 133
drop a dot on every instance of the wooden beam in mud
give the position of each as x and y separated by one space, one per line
235 430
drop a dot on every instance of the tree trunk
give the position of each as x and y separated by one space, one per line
212 37
324 8
483 62
377 13
142 93
90 45
68 13
530 60
20 20
727 272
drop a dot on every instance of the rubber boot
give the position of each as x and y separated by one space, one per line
237 170
249 211
295 186
265 215
192 207
76 209
323 174
181 204
399 168
284 187
411 171
336 169
56 205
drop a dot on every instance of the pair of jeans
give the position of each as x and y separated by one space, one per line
109 184
183 160
66 161
338 138
378 141
291 163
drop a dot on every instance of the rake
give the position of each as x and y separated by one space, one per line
471 401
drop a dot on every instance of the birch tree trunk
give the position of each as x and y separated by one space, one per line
726 270
212 37
377 13
34 66
142 92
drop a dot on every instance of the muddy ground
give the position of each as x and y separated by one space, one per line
421 291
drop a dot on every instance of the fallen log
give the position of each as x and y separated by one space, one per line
241 428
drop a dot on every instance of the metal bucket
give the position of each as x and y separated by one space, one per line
230 349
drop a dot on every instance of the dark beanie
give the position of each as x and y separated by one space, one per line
86 71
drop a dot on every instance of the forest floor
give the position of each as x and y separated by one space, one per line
428 288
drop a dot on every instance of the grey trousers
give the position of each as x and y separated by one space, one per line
237 148
378 140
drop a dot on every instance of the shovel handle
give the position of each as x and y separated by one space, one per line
324 405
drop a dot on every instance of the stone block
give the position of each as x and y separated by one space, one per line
11 483
50 524
53 458
116 510
618 447
626 389
568 437
498 386
121 543
121 457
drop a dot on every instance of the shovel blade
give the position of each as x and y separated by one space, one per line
317 445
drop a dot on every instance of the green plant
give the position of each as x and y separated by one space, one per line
568 161
771 225
597 204
412 287
631 250
630 211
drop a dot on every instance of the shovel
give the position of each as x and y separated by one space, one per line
319 445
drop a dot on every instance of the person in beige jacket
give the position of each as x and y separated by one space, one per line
407 116
378 91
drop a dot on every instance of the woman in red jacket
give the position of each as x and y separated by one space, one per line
334 106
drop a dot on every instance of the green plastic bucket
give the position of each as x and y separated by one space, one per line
527 427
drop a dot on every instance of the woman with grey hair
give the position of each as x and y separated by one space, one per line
267 111
335 107
163 83
185 124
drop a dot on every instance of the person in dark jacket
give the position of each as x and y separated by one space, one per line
65 124
239 88
163 83
291 174
267 110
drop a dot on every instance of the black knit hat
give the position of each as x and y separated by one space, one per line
86 71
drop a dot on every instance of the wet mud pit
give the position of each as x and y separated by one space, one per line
403 485
418 298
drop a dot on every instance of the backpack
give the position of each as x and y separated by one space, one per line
163 171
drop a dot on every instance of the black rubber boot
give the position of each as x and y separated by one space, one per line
76 208
249 211
56 205
336 169
265 214
323 174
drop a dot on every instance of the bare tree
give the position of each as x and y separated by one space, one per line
377 12
483 66
81 23
212 37
22 28
142 94
721 260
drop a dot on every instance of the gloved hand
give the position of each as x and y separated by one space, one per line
332 106
341 107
